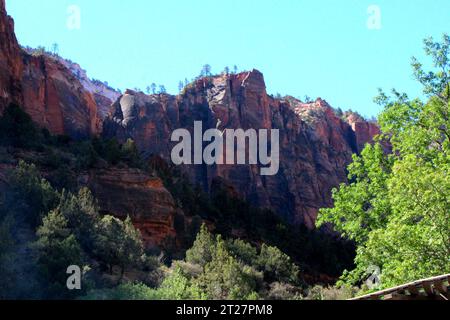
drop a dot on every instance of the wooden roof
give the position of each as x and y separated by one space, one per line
436 288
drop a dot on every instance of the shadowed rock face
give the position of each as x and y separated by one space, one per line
44 87
315 145
10 59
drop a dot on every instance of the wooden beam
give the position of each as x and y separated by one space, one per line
414 289
441 287
428 287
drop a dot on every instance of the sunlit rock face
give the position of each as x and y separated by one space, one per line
315 144
44 87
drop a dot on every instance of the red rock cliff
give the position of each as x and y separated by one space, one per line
44 87
315 144
126 192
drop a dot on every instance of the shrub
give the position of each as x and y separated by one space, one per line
17 129
118 243
277 265
29 195
126 291
58 248
331 293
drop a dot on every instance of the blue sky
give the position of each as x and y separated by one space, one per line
304 47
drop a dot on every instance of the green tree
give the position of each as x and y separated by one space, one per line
17 128
178 286
225 278
118 243
29 196
81 213
162 89
58 249
362 205
243 251
277 266
130 153
153 88
202 251
397 206
206 71
55 49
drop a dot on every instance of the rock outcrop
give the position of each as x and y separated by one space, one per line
315 144
364 130
10 59
44 87
103 94
131 192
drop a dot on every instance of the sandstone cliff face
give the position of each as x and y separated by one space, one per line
44 87
126 192
103 94
315 145
56 100
10 59
364 131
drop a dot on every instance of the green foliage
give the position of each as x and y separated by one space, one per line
435 83
177 286
58 248
17 128
397 207
81 213
277 266
202 251
225 278
126 291
71 232
331 293
114 152
233 269
130 154
29 194
118 243
244 251
362 205
229 213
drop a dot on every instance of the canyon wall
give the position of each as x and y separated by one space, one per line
44 87
315 145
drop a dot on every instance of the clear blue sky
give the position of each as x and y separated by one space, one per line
304 47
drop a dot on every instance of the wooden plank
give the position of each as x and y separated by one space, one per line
441 287
402 297
428 287
413 290
419 284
